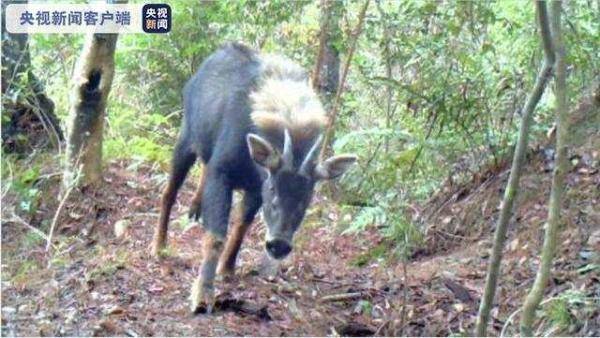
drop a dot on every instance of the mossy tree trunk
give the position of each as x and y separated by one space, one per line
558 178
28 119
326 74
515 173
92 80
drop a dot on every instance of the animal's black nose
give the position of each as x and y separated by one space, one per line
278 248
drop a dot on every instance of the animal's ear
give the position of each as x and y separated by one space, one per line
262 152
334 167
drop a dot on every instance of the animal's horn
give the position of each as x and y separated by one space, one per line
288 153
311 157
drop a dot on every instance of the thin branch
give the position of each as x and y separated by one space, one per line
340 90
17 219
512 315
61 205
341 296
404 296
10 180
56 215
536 293
515 174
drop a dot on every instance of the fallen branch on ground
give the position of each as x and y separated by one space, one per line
341 296
16 219
60 207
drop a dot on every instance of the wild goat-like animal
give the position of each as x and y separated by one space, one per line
256 124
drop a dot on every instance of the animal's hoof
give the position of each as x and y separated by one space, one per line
225 271
195 212
202 297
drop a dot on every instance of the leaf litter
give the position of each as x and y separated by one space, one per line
99 284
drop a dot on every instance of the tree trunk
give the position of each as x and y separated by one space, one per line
92 81
327 69
330 130
515 172
558 178
28 120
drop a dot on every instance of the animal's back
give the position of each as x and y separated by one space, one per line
216 97
237 91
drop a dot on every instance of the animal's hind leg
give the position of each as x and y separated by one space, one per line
183 159
196 206
240 223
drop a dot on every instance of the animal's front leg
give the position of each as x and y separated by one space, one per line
203 289
239 226
216 205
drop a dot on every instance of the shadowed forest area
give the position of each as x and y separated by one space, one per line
472 207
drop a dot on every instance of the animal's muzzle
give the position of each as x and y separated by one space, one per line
278 248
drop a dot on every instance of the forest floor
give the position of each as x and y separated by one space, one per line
95 283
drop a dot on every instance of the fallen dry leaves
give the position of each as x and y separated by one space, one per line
105 283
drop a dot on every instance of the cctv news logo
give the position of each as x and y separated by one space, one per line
157 18
88 18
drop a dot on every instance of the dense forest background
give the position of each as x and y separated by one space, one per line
431 100
433 92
